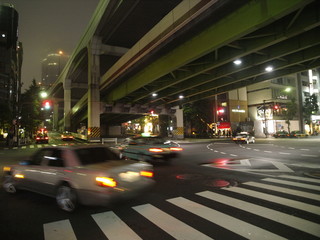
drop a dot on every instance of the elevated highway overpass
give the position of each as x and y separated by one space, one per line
133 49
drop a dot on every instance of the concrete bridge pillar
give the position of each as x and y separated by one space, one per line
67 104
94 49
178 132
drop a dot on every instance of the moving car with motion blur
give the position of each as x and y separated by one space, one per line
150 149
42 138
88 175
67 136
244 137
281 134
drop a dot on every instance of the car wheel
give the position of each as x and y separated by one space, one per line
66 198
8 185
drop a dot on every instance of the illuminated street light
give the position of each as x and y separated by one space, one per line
43 94
181 96
154 94
288 89
237 62
269 69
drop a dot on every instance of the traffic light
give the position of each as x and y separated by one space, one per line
46 104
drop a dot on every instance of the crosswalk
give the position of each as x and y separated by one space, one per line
285 207
34 146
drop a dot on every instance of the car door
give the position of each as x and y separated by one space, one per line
52 170
33 171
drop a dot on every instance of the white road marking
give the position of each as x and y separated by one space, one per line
230 223
284 153
295 184
58 230
284 190
174 227
279 200
306 179
113 227
267 151
283 218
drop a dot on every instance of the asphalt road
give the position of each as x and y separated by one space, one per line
215 190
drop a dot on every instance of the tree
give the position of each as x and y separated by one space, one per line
198 116
6 115
31 116
310 107
290 112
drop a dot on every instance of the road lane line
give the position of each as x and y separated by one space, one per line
295 184
171 225
306 179
267 151
284 190
304 149
280 200
230 223
284 153
283 218
59 230
113 227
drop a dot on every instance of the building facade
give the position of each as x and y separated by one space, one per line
11 53
51 67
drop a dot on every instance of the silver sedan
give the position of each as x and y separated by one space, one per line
88 175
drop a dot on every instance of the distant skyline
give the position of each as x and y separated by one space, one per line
47 26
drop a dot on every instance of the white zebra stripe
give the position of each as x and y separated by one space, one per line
58 230
286 219
306 179
169 224
284 190
113 227
295 184
271 198
230 223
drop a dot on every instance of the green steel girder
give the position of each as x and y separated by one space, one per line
309 18
250 17
309 54
279 50
235 85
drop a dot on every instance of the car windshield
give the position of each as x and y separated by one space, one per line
42 135
89 156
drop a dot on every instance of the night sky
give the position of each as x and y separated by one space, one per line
47 26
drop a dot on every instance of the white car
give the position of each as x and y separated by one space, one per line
89 175
244 137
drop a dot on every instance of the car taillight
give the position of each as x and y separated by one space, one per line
176 149
37 138
155 150
106 182
46 138
146 174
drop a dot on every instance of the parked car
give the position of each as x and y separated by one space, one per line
244 137
151 149
42 138
281 134
65 136
88 175
298 134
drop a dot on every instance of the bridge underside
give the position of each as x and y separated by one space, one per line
187 48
